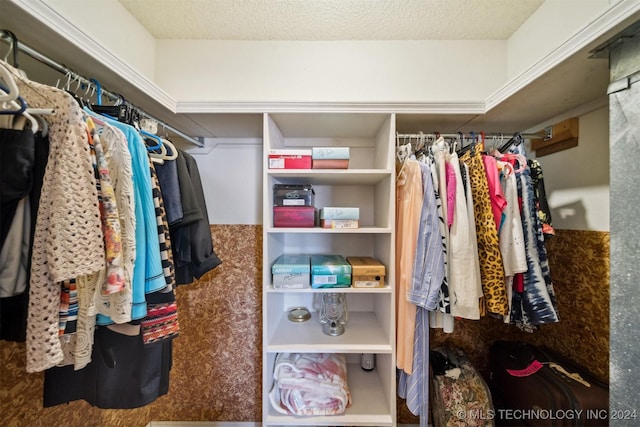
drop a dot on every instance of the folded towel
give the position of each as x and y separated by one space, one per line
310 384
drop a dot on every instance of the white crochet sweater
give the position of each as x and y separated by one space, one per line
68 239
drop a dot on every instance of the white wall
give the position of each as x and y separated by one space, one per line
338 71
552 24
577 179
231 174
350 71
108 22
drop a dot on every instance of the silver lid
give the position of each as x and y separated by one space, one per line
299 314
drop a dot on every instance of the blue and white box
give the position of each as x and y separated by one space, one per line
330 153
291 272
331 213
330 271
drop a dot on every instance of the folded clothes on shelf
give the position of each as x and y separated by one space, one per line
310 384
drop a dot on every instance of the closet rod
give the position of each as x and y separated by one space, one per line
40 57
506 136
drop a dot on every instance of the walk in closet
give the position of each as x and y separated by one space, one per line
228 103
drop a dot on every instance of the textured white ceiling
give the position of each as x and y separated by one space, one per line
332 19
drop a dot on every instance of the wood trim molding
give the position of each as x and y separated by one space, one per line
333 107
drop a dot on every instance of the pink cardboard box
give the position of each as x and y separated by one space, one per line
294 216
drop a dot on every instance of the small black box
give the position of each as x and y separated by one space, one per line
293 195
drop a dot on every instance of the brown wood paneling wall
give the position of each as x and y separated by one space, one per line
579 263
217 369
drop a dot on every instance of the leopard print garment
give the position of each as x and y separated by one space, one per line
491 269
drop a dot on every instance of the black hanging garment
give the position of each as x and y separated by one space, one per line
17 157
23 158
170 185
123 373
193 252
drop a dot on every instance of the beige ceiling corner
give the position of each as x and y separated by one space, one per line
306 20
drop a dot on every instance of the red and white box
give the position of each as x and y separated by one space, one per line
289 159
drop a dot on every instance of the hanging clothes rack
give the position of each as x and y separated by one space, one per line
89 83
466 135
506 139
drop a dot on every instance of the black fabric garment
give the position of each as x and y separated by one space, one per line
463 173
17 156
13 317
13 310
159 297
191 211
123 374
543 209
167 173
193 253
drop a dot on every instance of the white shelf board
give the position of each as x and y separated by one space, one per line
349 290
332 176
369 406
320 230
363 334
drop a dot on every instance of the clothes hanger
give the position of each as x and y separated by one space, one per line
515 139
153 155
490 144
13 100
20 120
119 111
11 94
68 77
11 90
98 88
74 78
481 141
420 142
116 112
43 125
453 146
148 135
174 150
158 157
33 115
168 146
89 91
464 148
13 48
13 41
403 152
21 116
19 103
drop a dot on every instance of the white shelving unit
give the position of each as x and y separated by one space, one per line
369 184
